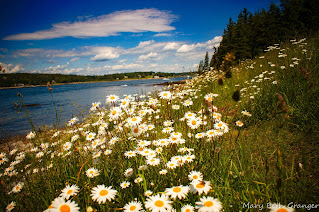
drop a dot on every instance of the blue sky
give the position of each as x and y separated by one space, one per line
91 37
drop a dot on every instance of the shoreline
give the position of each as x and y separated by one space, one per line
71 83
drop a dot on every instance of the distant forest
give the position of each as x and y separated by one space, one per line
252 33
20 79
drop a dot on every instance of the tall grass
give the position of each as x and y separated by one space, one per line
244 167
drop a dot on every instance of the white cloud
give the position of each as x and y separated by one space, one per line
206 45
171 46
186 48
163 35
148 56
135 21
127 66
10 68
104 53
74 59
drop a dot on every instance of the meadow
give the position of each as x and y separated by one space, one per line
246 142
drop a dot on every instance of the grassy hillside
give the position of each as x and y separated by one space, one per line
242 144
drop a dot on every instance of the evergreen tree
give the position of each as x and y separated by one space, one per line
206 65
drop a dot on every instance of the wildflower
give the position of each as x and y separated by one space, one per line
168 130
112 98
158 203
177 191
101 193
189 115
92 172
95 105
3 160
221 126
171 164
59 205
67 146
165 95
18 187
200 187
193 123
138 180
30 135
195 175
153 161
175 107
130 154
208 204
239 123
134 120
97 154
188 103
90 136
136 131
200 135
73 121
124 103
107 152
69 191
148 193
11 206
280 208
125 184
128 172
133 206
168 123
188 158
39 154
246 113
115 112
163 172
187 208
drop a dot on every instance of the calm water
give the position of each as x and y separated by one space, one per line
73 98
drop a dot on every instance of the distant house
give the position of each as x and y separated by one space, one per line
156 77
125 77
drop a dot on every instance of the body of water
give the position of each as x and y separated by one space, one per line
72 98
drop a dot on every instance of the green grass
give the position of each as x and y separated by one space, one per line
270 159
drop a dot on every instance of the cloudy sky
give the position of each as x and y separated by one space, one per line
91 37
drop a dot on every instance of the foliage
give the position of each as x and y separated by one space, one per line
16 79
252 33
256 150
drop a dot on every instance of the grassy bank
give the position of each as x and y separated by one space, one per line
242 144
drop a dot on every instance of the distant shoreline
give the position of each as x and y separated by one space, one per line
70 83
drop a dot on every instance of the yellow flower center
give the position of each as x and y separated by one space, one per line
282 210
112 97
188 210
65 208
135 130
200 185
91 172
132 208
209 99
11 206
103 192
174 139
165 94
195 177
220 124
69 191
159 203
177 189
134 119
194 122
208 204
113 112
18 188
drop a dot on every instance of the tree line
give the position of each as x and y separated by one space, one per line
20 79
252 33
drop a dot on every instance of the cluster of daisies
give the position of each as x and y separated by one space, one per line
156 131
